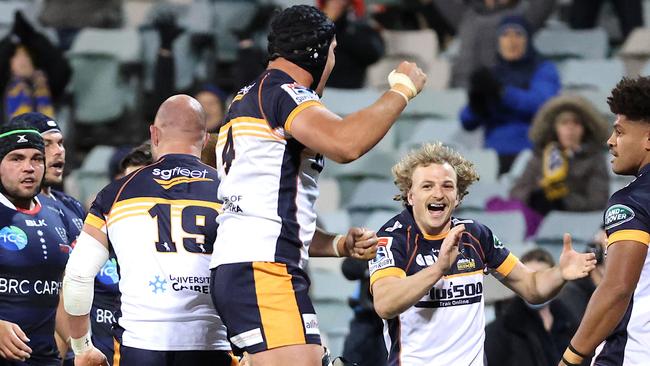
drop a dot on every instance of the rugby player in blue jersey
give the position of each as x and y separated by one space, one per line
34 248
616 324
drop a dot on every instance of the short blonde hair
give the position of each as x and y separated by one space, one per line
426 155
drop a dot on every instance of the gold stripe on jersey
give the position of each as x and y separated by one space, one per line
281 319
632 235
247 125
387 272
508 264
116 355
167 184
295 111
139 207
478 271
95 221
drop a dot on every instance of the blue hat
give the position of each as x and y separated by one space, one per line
36 120
517 22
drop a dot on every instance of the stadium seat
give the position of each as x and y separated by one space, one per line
99 91
186 62
443 104
92 176
420 46
598 98
375 164
374 194
479 193
569 43
328 198
335 221
230 15
600 75
508 226
438 71
122 44
371 195
378 218
581 225
432 130
346 101
635 52
486 162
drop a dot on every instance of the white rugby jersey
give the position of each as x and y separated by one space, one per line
628 218
268 179
161 223
446 327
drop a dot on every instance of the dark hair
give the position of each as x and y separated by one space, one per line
631 98
538 255
139 156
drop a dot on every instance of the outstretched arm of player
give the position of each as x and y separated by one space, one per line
537 287
358 243
86 260
346 139
393 295
610 300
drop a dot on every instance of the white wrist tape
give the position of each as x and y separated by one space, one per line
81 345
335 244
86 260
398 78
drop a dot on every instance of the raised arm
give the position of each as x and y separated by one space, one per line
537 287
346 139
394 294
611 299
358 243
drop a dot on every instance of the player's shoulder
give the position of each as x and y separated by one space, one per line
472 226
627 203
69 201
287 90
397 226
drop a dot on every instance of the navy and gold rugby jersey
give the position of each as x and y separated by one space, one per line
628 218
268 179
161 222
446 327
34 249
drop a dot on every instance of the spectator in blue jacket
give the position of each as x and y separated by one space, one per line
504 99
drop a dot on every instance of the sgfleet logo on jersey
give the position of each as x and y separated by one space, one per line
450 294
13 238
108 274
179 175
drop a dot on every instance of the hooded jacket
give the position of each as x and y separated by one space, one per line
588 178
527 83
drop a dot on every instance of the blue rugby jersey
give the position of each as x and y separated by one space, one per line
34 249
446 327
628 218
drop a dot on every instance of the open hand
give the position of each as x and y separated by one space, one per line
574 265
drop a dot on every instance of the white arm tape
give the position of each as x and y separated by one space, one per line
399 78
86 260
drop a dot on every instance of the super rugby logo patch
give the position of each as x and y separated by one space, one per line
384 257
617 215
299 93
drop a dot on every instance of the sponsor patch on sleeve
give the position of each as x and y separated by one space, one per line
616 215
299 93
497 242
384 257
